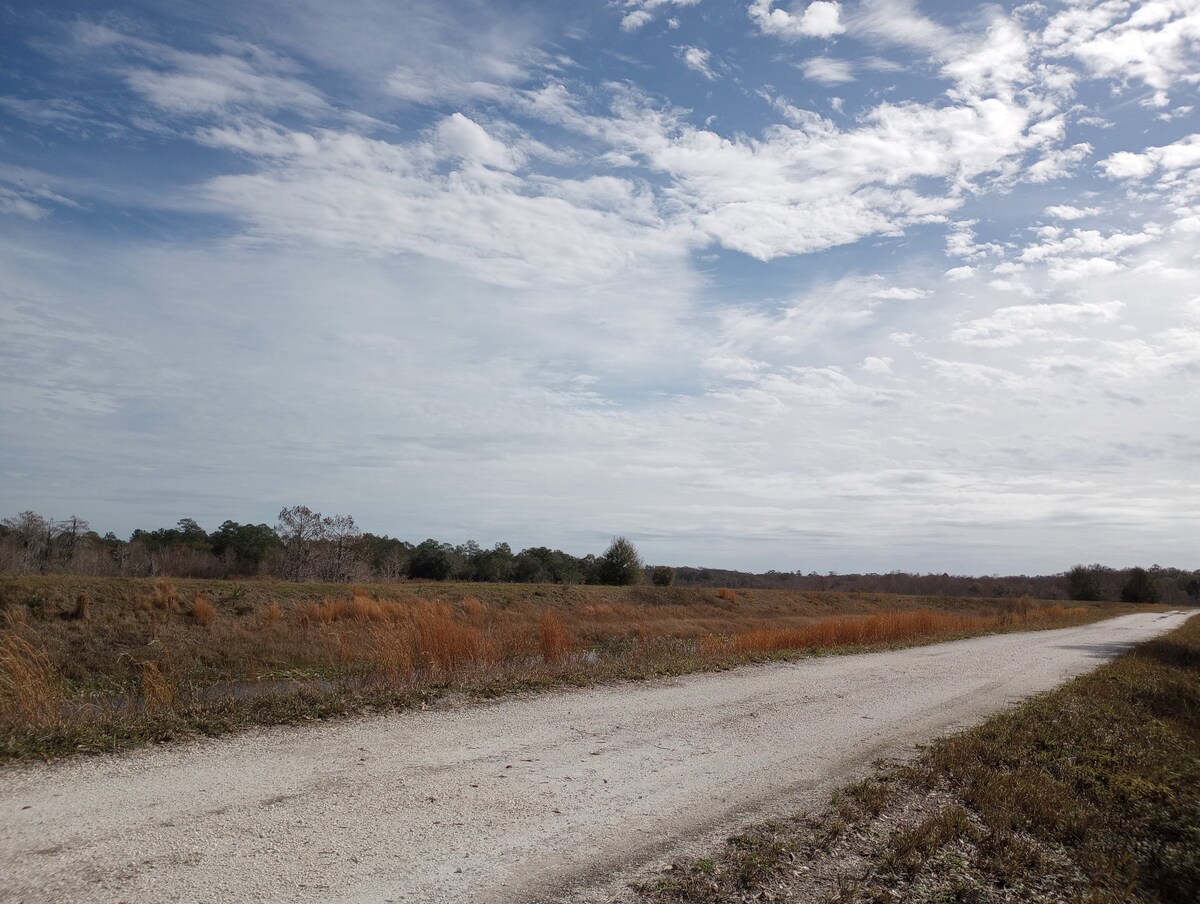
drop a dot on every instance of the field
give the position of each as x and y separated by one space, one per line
95 664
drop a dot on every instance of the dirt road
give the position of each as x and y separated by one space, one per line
562 796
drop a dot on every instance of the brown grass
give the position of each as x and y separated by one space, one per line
889 628
158 692
80 611
322 647
202 611
30 685
555 640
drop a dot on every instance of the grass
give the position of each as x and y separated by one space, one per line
1090 794
142 661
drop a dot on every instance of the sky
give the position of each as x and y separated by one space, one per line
818 286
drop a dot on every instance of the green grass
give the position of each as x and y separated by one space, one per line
1090 793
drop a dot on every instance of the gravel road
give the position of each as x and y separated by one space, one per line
561 796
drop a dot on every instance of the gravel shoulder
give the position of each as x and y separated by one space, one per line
560 796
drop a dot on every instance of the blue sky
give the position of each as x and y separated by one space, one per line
823 286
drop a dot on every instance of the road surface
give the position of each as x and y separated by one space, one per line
559 796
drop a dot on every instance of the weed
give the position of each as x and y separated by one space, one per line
555 641
910 848
80 612
158 693
30 687
443 642
202 611
474 608
165 596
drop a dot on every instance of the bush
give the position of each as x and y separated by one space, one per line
662 576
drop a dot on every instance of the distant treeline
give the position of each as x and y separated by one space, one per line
307 546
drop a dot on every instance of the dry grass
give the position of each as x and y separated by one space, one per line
31 689
555 640
202 611
271 651
892 627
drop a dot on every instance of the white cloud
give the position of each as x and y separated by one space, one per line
641 12
828 71
1153 42
877 365
462 137
1170 159
898 22
17 204
820 19
1058 163
957 274
241 76
698 60
632 21
1067 212
897 293
1034 323
961 242
1086 242
994 65
796 190
1126 165
340 190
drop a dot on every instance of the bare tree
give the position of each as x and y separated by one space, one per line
301 530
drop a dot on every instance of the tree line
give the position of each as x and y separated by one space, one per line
304 545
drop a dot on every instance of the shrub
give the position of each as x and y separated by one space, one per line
662 576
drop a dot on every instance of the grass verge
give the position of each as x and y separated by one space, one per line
1090 793
103 664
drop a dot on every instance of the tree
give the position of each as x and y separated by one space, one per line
340 561
300 529
1140 587
620 565
1083 582
31 537
1193 591
249 544
662 576
430 561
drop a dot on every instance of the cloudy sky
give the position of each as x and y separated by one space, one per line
869 285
